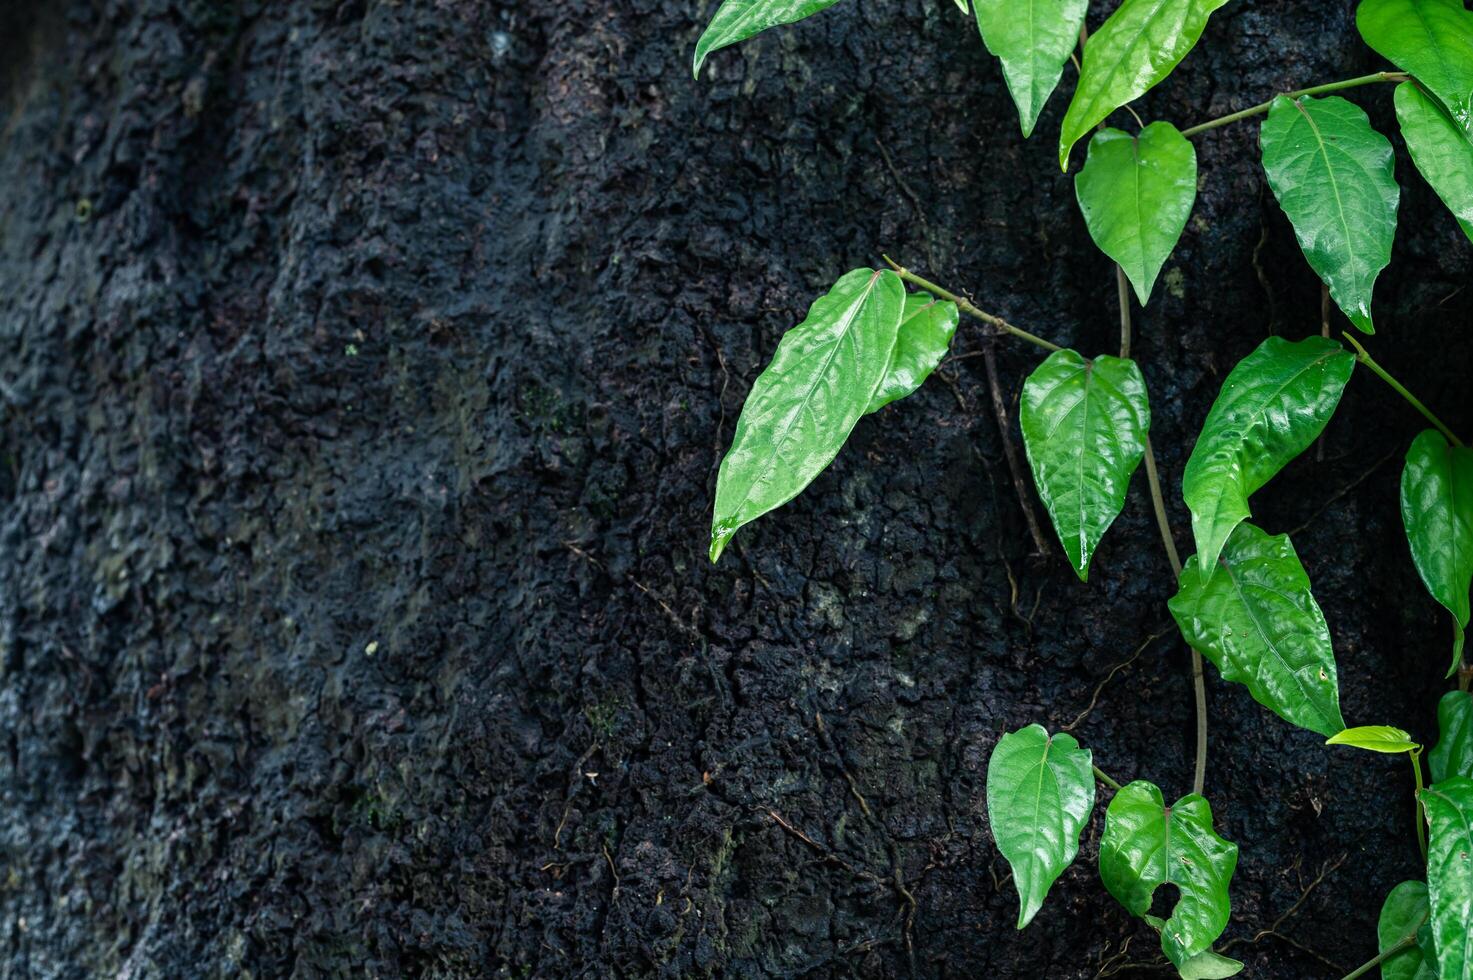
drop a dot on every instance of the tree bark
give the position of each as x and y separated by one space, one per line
364 370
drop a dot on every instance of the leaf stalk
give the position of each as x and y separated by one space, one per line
1362 355
966 306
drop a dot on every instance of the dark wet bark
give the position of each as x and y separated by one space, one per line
364 369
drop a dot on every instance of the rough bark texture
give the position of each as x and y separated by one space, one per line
365 368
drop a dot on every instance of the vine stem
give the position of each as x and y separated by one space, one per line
1406 942
1262 107
1163 523
1104 778
1417 816
1365 358
965 305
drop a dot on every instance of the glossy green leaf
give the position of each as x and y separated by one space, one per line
1146 844
1406 913
1084 428
1453 753
1431 39
1256 620
961 5
737 20
1033 41
1139 45
803 406
1442 152
1449 809
1274 403
1437 512
1209 966
1040 790
1334 177
1136 193
926 329
1375 738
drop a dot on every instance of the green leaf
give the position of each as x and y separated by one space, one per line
1334 177
1437 511
1449 809
1084 427
1147 844
1040 791
1136 193
961 5
1033 41
1431 39
1375 738
1209 966
926 328
1406 913
1139 45
1274 403
1257 621
1453 753
1442 152
737 20
804 405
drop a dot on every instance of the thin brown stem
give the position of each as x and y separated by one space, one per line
1163 523
1015 467
966 306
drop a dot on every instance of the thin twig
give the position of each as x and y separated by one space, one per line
1000 412
1095 698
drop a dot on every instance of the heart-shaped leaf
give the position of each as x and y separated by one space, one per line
1274 403
1138 46
1375 738
737 20
1406 913
1334 177
804 405
1453 753
1084 428
926 329
1437 511
1449 809
1431 39
1442 152
1040 791
1033 42
1257 621
1136 193
1147 844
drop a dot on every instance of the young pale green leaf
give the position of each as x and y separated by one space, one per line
1437 511
1146 845
1138 46
1040 791
1334 177
804 405
926 328
1209 966
1033 41
1449 809
737 20
1453 753
1431 39
1084 428
1442 152
961 5
1136 193
1274 403
1257 621
1375 738
1406 913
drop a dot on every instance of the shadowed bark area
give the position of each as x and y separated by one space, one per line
364 370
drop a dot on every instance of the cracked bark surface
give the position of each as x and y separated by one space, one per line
364 370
